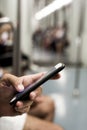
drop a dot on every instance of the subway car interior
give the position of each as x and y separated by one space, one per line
35 35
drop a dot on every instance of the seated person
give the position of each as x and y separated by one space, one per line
31 122
7 44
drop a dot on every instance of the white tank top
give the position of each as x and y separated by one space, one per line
12 123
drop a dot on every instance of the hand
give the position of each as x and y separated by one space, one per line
27 105
9 85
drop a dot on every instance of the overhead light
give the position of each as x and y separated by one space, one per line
55 5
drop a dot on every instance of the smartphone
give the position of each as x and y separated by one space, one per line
25 94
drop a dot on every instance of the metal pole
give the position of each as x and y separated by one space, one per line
76 91
17 44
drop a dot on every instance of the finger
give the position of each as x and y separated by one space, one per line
33 78
23 107
21 104
33 95
57 76
23 110
27 80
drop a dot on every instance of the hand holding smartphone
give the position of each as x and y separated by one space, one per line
25 94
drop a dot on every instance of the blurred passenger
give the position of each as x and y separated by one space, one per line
47 38
37 38
6 31
42 111
7 43
52 39
59 40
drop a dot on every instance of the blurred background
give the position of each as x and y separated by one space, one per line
34 36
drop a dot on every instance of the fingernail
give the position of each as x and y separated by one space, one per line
20 87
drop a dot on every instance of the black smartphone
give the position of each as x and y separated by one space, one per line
25 94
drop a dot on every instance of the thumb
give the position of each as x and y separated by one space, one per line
15 81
